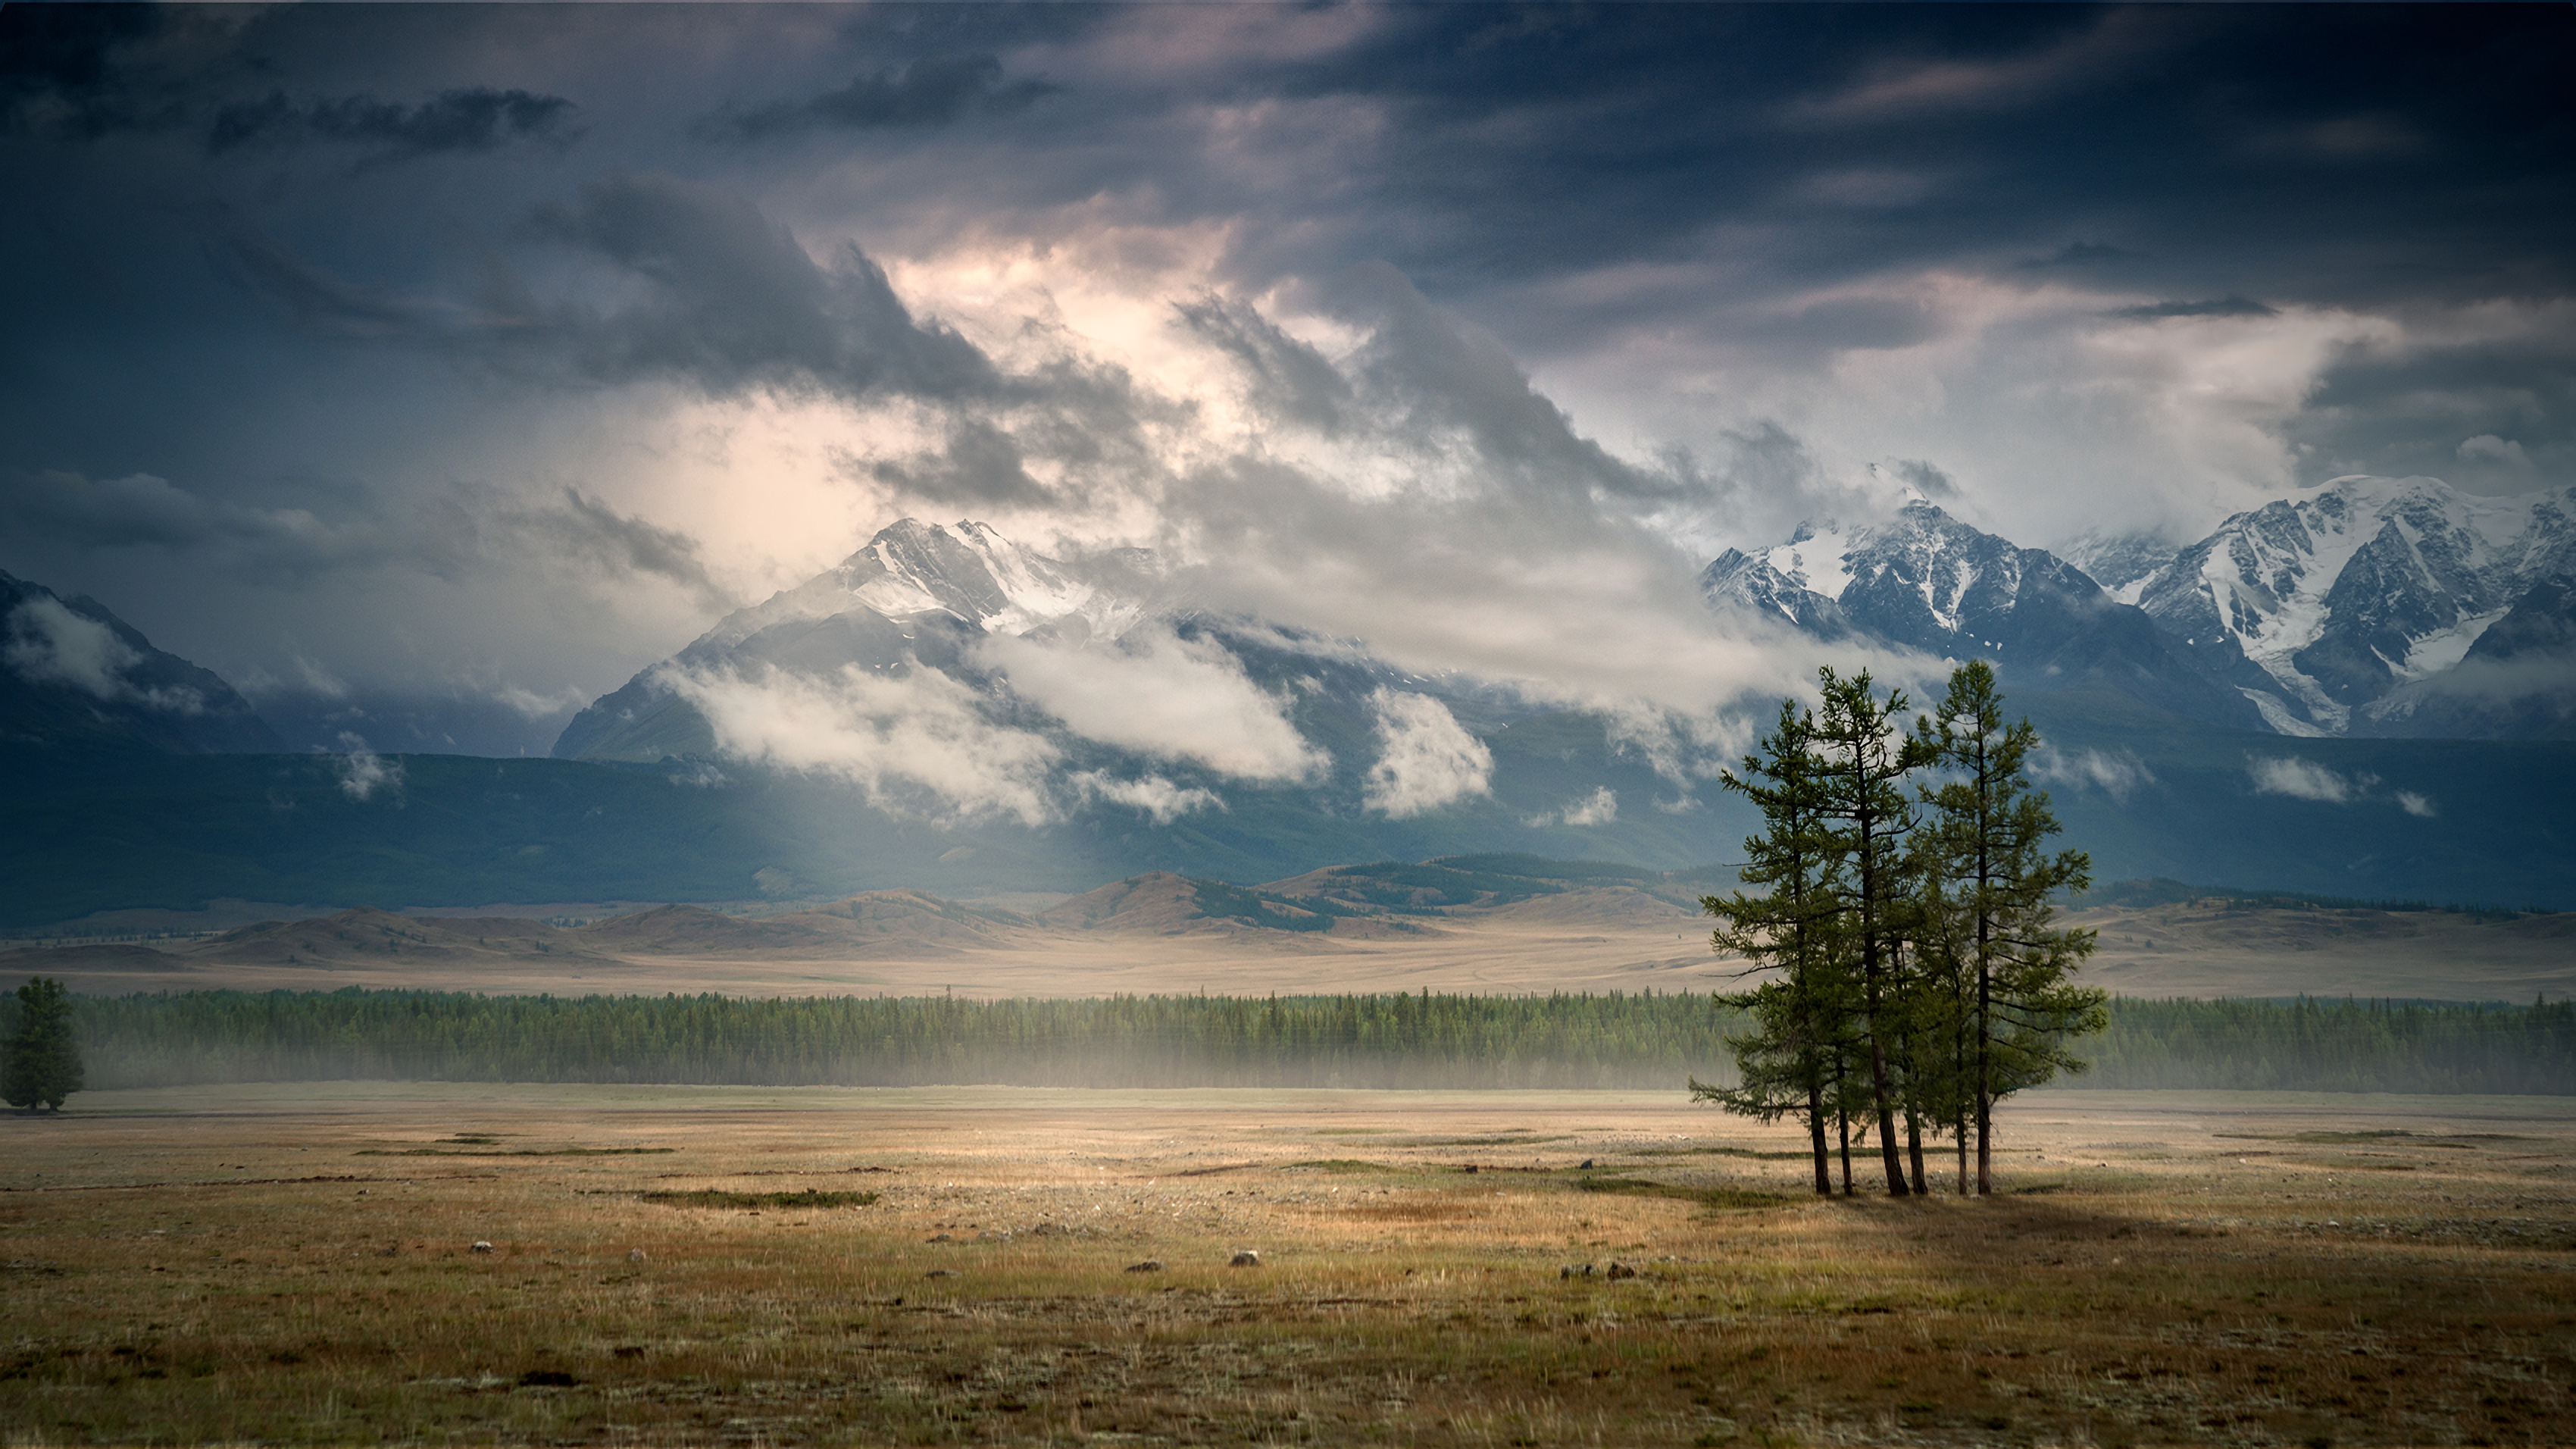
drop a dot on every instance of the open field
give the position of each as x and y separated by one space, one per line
297 1264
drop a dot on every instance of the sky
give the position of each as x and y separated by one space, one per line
428 371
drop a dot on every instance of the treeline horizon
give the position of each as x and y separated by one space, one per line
1647 1041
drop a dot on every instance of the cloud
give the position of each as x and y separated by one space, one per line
918 743
48 643
467 119
363 772
2116 773
1601 807
731 302
1426 759
1291 381
1160 694
2079 254
587 530
2300 780
936 90
1152 794
2487 447
2219 307
2419 806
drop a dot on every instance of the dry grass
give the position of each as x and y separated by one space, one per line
228 1266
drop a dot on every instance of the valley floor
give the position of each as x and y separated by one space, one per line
667 1265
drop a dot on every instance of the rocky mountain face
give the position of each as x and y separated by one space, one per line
2362 602
1928 582
71 671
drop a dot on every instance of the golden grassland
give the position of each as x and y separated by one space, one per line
755 1266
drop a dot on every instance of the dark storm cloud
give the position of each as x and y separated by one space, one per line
2422 410
1756 151
735 303
932 91
980 467
1439 381
475 118
1291 382
2080 254
588 531
59 71
2217 307
1926 479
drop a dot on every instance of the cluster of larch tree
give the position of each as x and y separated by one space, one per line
1911 968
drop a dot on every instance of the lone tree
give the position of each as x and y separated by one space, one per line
1986 880
43 1065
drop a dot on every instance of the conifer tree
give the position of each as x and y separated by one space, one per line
1863 754
1787 1061
43 1065
1983 858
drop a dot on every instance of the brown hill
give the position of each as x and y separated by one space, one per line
909 917
1590 906
1163 904
373 938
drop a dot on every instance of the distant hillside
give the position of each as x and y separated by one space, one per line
74 674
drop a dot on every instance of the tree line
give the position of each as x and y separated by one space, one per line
1914 969
1647 1041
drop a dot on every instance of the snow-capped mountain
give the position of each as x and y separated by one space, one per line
2358 600
1928 582
2120 562
917 593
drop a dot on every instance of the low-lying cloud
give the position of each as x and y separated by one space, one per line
50 644
917 743
2300 780
1152 794
363 773
1601 807
1426 759
2116 773
1159 694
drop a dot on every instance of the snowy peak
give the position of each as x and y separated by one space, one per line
966 570
2365 586
1922 578
1927 582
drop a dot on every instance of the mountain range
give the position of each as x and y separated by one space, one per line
950 711
2374 606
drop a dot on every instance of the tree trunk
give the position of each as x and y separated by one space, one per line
1962 1135
1816 1135
1914 1147
1842 1124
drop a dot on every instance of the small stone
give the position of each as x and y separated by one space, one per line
1150 1265
940 1273
635 1255
1621 1270
1245 1259
939 1238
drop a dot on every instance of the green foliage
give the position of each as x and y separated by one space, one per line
2347 1046
1994 994
1915 956
43 1064
1398 1040
1645 1040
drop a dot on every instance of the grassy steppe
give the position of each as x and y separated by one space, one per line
952 1265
